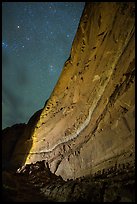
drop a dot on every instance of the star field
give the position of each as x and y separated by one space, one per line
36 42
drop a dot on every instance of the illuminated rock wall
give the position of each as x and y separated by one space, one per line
88 122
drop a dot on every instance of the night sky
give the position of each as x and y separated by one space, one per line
36 42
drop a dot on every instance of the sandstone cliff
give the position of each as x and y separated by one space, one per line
88 123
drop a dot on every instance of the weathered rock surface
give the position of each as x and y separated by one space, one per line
87 127
35 183
88 123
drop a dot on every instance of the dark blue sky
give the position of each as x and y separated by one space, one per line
36 42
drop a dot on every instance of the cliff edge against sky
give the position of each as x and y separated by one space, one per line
88 123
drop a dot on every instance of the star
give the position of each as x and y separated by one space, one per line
4 45
51 66
35 38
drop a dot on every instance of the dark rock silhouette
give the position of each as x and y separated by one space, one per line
36 183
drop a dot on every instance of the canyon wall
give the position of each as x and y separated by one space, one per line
88 122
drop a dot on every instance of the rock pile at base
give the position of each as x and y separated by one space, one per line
35 183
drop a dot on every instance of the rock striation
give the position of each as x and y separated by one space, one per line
88 123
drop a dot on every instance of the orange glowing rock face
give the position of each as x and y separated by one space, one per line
88 122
